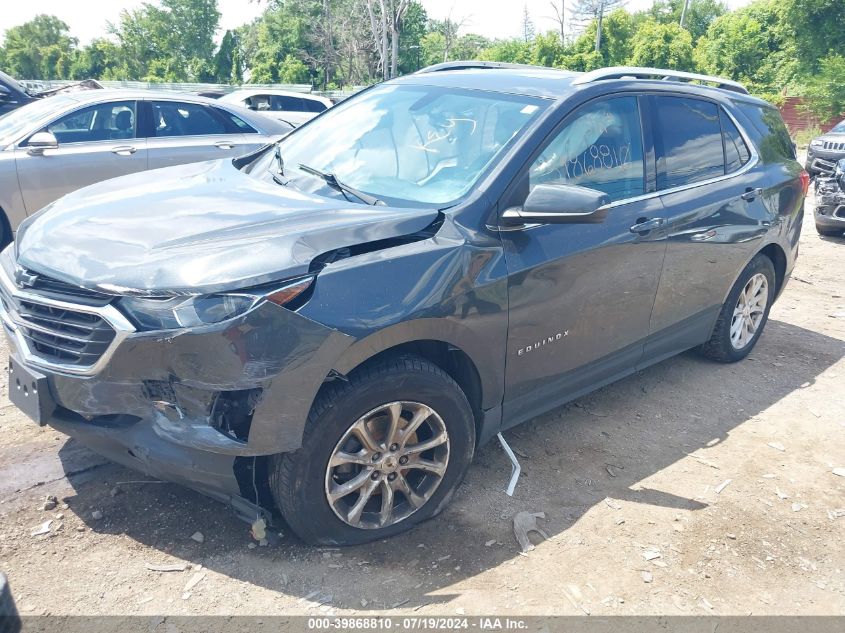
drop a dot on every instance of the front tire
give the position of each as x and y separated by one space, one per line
744 313
382 452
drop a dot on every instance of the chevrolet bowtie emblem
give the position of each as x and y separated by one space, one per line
25 279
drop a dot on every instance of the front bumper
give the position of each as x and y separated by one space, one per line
821 161
182 405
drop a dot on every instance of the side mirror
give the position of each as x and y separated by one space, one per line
560 204
41 141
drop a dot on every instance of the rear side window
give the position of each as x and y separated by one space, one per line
234 124
288 104
688 142
599 148
312 105
175 118
736 151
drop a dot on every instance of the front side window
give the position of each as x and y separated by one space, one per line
406 144
175 118
102 122
688 142
599 148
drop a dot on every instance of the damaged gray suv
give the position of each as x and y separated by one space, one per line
328 328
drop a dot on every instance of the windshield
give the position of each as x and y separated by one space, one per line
405 144
839 128
19 121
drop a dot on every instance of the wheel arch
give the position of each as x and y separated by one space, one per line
778 257
6 235
463 363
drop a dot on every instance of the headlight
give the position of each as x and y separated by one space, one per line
171 313
817 143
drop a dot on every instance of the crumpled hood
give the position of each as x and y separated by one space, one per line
204 227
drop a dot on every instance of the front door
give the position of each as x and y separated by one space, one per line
96 143
581 295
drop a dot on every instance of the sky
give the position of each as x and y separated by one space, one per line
491 18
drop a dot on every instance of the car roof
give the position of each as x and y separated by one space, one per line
244 93
93 96
532 81
554 83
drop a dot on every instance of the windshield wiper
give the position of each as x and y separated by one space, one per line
332 181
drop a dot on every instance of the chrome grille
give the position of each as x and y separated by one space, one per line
57 325
833 146
64 335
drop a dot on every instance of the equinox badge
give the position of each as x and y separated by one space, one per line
534 346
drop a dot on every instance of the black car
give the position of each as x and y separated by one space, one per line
830 202
331 326
12 94
826 150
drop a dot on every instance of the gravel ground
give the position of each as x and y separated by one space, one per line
688 488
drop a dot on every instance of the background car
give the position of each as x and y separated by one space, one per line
826 150
12 94
295 108
54 146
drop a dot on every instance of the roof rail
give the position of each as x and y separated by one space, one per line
471 64
620 72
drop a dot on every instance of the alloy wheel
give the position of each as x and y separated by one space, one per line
387 465
749 311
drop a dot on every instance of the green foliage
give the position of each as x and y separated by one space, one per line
515 51
662 46
735 46
817 28
700 14
825 91
410 44
38 49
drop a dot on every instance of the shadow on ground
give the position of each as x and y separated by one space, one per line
635 428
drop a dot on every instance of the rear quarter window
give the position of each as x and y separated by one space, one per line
772 138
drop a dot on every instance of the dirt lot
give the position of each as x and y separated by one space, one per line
724 471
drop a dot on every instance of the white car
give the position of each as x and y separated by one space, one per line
295 108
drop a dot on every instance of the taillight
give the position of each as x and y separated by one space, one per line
805 181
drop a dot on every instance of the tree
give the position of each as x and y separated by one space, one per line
515 51
735 46
560 18
547 50
699 16
825 93
39 49
101 59
410 43
584 12
225 58
816 27
662 46
385 24
528 31
173 42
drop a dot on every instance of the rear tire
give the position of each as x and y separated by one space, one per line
827 232
744 313
338 488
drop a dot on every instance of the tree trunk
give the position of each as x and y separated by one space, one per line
598 29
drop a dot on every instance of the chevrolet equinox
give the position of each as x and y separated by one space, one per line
330 326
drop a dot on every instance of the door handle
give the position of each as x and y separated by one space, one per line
751 193
123 150
224 145
644 225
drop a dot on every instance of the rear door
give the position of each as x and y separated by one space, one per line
580 295
185 132
715 216
96 142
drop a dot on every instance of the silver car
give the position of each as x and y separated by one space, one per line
290 107
57 145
